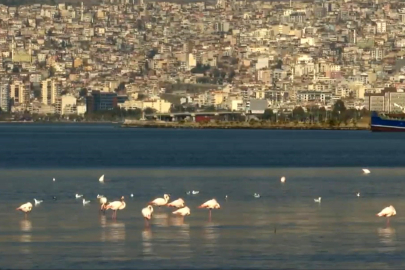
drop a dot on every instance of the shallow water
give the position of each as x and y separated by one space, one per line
284 228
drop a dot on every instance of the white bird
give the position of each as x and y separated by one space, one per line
160 201
188 192
318 200
226 197
358 194
147 213
256 195
101 179
78 196
179 203
282 179
85 202
116 205
99 196
26 208
195 192
37 201
103 202
54 179
387 212
366 171
185 211
211 204
132 195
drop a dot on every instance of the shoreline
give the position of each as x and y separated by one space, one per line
244 125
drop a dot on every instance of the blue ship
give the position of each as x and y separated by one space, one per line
387 122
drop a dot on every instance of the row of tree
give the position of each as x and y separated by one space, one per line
339 114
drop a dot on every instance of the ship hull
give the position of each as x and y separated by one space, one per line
392 123
386 129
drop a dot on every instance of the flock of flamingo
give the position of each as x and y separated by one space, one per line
182 209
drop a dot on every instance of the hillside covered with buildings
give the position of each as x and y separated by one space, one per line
75 59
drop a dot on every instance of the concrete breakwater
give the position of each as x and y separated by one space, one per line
238 125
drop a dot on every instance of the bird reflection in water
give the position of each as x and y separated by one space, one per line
103 221
160 219
211 234
147 249
26 228
181 236
387 239
116 232
112 232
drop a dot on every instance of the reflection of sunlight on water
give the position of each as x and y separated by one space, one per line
387 238
26 227
160 219
147 242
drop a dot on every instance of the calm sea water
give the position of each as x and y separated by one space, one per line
284 229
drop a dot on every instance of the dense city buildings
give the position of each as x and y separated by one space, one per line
230 55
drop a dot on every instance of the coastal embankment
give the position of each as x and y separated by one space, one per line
242 125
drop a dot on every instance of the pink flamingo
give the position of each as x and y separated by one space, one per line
26 208
179 203
160 201
117 205
211 204
147 213
387 212
185 211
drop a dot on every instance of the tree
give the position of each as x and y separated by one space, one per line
299 113
121 87
268 114
149 111
152 53
279 64
141 96
83 92
338 110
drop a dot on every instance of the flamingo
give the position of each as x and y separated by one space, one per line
211 204
37 201
387 212
185 211
26 208
103 202
117 205
282 179
179 203
161 201
147 213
